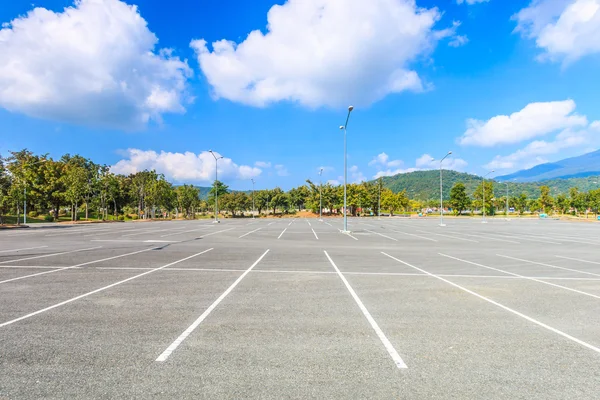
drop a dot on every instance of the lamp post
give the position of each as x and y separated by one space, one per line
442 192
483 194
25 191
216 221
320 195
345 128
379 201
252 197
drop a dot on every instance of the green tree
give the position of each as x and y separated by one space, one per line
489 195
75 181
546 200
562 203
459 200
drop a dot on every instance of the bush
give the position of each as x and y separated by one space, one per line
33 214
134 217
48 218
121 218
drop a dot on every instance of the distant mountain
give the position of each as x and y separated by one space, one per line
425 185
574 167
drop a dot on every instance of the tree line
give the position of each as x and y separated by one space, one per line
576 202
75 187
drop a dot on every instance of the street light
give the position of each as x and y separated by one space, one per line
379 202
216 221
320 195
483 193
345 128
252 197
25 191
442 191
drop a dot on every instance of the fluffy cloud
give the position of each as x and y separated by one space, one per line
325 53
383 160
459 40
281 170
564 29
93 64
536 119
263 164
471 2
425 162
534 153
183 167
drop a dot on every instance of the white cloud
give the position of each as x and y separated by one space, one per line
426 162
471 2
383 160
459 40
533 154
325 53
564 29
536 119
281 170
263 164
595 125
334 182
183 167
94 64
356 176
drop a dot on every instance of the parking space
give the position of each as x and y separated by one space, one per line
294 308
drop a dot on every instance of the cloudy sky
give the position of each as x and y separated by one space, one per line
152 84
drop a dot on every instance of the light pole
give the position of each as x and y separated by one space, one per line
252 197
379 202
483 194
216 221
320 195
25 191
345 128
442 192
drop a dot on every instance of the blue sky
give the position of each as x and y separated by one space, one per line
504 85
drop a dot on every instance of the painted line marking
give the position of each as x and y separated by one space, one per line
50 255
329 224
291 223
412 234
97 290
24 248
115 232
165 354
181 233
31 266
386 343
307 221
246 234
482 236
451 237
522 276
530 319
73 266
270 223
281 234
512 236
580 260
76 232
549 265
315 233
381 234
214 233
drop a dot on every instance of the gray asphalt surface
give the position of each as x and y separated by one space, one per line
257 309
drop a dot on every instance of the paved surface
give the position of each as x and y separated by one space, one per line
273 309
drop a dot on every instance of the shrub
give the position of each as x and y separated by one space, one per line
48 218
121 218
33 214
134 217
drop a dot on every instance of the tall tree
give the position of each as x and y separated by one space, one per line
546 200
489 195
459 199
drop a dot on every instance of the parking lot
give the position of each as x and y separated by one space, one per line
292 308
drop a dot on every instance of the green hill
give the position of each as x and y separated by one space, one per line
425 185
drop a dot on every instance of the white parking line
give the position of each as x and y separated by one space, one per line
76 232
419 236
308 223
73 266
214 233
165 354
548 265
451 237
246 234
380 234
291 222
522 276
181 233
97 290
512 236
482 236
24 248
579 259
50 255
281 234
386 343
539 323
315 233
